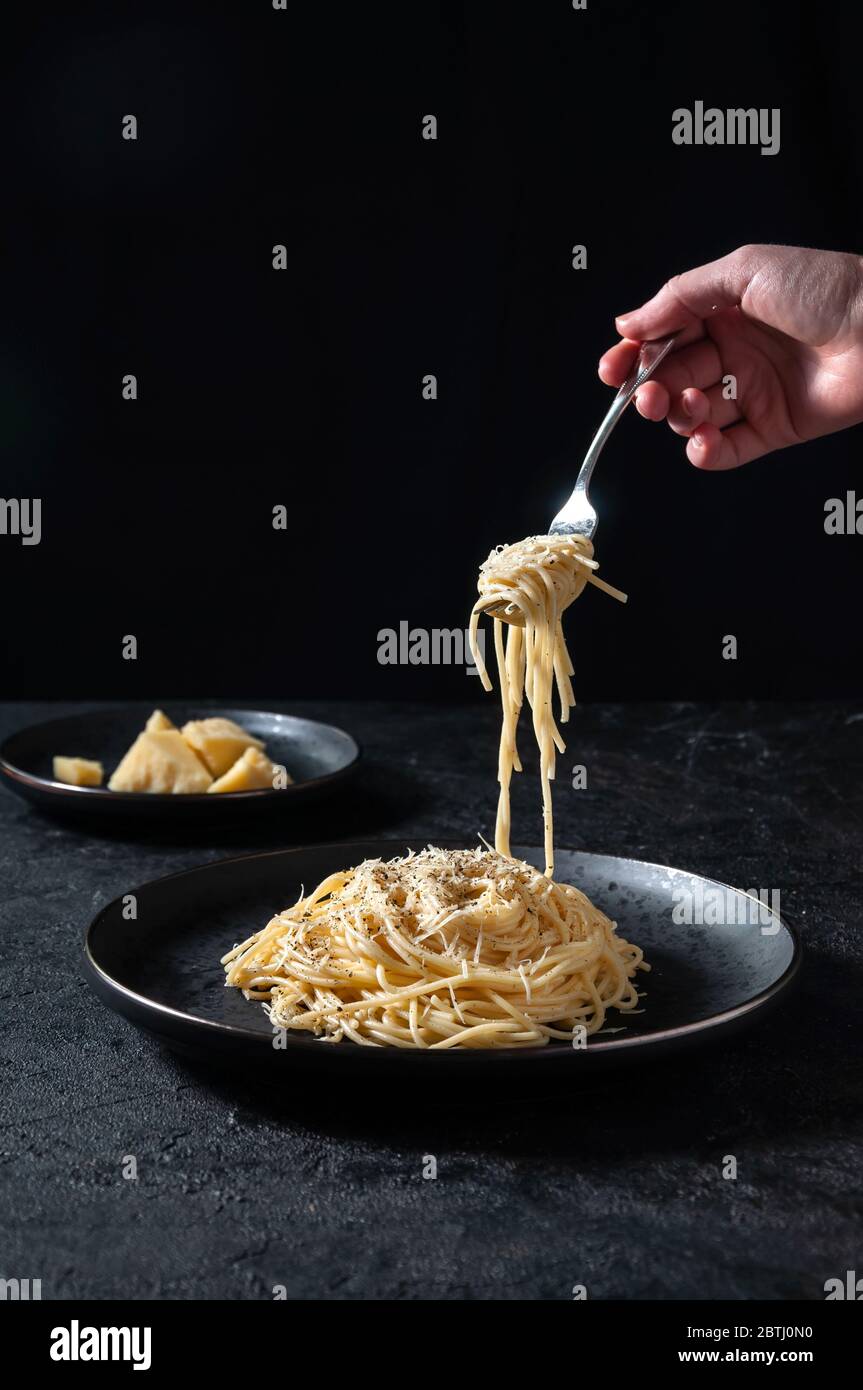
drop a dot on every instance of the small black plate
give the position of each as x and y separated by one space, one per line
315 755
162 970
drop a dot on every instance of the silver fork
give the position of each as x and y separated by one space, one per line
578 517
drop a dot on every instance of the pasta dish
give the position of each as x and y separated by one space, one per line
461 948
440 949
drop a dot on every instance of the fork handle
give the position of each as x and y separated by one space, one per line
649 357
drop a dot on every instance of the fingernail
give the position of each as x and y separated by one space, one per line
621 318
686 405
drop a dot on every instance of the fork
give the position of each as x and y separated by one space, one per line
577 517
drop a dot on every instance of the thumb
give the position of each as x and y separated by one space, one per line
696 294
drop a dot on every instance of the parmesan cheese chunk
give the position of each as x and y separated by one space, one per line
218 742
160 762
158 723
250 772
78 772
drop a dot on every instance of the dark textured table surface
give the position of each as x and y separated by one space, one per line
618 1186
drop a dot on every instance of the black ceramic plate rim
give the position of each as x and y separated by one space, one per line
114 989
47 784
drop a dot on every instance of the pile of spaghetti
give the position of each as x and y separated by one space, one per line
440 949
528 586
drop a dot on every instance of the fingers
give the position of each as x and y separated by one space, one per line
690 410
712 425
652 401
616 364
693 369
687 389
694 361
685 300
718 450
697 365
717 436
694 408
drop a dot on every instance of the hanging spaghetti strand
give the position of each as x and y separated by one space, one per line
527 587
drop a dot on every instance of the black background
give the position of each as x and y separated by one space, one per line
406 257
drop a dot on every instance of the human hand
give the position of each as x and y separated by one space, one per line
785 322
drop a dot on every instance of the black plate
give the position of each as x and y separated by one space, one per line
162 970
315 755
